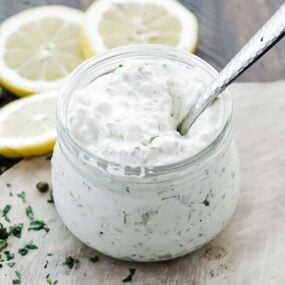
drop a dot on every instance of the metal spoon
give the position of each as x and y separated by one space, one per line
261 42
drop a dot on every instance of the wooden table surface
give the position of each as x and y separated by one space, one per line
225 25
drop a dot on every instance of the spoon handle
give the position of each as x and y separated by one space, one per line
259 44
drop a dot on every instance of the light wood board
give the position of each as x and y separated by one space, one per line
251 249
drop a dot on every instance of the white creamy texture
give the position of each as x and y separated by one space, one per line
130 116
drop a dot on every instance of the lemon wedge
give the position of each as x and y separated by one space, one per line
28 126
39 48
113 23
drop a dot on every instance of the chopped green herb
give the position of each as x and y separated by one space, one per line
23 251
5 212
38 225
50 281
29 246
9 255
3 232
129 278
1 265
19 278
120 65
11 264
42 186
50 200
30 213
16 230
22 196
94 259
46 264
8 185
10 194
49 254
70 261
3 244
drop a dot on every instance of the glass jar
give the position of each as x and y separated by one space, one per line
160 213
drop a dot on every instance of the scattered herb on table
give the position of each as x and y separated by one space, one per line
3 244
11 264
50 281
42 186
9 255
70 261
49 254
129 278
29 246
3 232
38 225
8 185
50 200
94 259
120 65
22 196
5 212
18 279
30 213
1 265
16 230
11 194
46 264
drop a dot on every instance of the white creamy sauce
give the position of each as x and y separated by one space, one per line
130 116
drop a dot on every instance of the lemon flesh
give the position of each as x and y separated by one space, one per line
28 126
39 48
113 23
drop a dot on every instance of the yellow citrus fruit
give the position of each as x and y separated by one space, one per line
28 125
39 47
113 23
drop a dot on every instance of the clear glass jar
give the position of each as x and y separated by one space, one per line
164 213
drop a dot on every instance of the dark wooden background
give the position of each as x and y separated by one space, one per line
225 25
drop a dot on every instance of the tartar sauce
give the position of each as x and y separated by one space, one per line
130 116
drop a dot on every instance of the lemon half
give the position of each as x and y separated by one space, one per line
39 48
113 23
28 126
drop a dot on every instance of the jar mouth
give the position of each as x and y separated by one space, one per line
79 78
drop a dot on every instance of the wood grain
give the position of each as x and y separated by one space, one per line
250 250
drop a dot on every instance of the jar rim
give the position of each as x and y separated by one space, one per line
124 52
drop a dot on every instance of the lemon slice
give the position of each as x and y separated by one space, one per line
39 48
28 126
113 23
